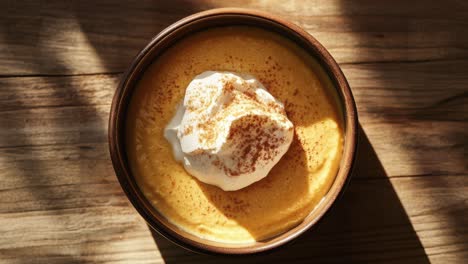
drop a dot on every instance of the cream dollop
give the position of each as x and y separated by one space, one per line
229 131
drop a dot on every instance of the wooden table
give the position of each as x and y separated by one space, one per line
407 64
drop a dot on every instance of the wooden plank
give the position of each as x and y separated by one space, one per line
426 90
66 38
47 126
39 167
36 92
399 92
102 227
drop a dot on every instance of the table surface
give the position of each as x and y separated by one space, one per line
406 62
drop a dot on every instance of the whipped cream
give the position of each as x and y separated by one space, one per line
229 131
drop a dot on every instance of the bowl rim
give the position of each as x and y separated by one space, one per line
121 168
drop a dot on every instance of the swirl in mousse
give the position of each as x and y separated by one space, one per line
229 131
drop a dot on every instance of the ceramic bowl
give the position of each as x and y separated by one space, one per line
167 37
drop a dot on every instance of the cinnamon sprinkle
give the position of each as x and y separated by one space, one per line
187 130
253 137
254 143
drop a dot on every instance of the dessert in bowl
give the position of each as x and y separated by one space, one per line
233 132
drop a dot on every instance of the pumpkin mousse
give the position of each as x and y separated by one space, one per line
234 134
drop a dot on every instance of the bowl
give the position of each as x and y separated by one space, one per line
176 31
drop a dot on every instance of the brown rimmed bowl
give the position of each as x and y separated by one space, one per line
167 37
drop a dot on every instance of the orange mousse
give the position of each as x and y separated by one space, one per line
295 185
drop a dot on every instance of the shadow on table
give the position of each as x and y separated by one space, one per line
368 224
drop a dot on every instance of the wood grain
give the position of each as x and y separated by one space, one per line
77 37
406 64
90 231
